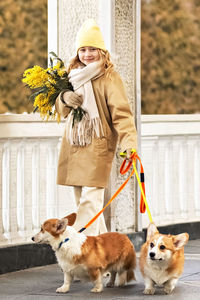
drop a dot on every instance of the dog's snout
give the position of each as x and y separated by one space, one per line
152 254
33 238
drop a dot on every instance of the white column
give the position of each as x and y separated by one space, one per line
183 177
106 20
51 171
167 180
138 216
35 186
20 187
6 189
154 167
196 186
53 19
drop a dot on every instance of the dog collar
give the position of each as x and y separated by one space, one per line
67 239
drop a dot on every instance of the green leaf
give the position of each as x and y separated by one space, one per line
57 58
35 109
53 53
78 114
52 98
43 90
51 63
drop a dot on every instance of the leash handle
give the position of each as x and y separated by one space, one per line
126 166
142 194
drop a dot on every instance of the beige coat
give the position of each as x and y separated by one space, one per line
91 165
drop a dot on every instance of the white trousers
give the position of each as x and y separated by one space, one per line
89 202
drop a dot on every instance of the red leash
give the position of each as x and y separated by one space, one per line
125 168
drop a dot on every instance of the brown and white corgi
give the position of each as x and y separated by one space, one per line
162 259
88 257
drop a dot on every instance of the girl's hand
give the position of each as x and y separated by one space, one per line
71 99
127 154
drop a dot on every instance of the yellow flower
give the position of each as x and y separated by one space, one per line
42 103
36 77
48 84
58 117
57 66
61 72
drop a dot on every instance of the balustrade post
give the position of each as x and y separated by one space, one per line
20 188
35 186
5 171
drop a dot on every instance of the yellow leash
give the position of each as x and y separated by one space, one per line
143 195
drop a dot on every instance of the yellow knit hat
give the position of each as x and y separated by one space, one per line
89 35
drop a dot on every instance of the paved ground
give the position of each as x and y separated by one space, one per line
41 283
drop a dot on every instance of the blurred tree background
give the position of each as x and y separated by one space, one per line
170 56
23 43
170 53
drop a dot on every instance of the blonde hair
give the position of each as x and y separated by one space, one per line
107 65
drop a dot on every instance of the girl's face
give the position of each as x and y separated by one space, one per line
88 55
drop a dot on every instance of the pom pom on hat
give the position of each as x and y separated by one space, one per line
89 35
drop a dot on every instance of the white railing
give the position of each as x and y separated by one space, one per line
28 159
171 159
28 191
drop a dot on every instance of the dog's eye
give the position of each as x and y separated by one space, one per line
152 245
162 247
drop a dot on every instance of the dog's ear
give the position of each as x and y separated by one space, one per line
151 231
180 240
71 219
61 226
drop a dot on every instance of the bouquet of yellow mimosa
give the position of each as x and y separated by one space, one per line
47 84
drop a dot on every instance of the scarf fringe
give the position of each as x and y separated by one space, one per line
82 133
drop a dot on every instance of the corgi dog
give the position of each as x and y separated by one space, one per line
88 257
162 259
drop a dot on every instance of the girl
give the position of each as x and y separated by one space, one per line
88 146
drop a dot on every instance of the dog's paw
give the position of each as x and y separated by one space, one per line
122 279
97 289
110 284
168 289
150 291
62 289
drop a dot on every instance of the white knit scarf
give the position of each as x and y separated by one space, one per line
82 132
